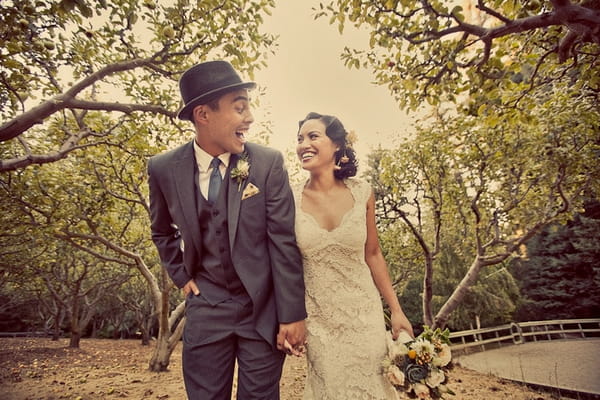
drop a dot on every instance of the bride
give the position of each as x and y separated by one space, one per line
344 270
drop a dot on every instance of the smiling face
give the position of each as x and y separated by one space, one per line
315 149
223 129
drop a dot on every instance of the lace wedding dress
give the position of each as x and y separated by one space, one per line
346 328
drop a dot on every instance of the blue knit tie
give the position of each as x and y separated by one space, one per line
215 181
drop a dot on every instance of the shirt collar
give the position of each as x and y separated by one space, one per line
203 159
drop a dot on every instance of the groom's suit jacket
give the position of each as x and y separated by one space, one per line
261 230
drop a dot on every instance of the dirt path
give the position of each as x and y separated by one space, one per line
39 369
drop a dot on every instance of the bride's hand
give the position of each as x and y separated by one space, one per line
400 323
297 351
291 338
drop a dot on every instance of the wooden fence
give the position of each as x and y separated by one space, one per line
520 332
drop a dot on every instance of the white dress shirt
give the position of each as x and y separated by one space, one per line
203 160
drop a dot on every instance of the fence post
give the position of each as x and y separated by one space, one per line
516 332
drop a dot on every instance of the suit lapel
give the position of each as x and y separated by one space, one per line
234 201
184 175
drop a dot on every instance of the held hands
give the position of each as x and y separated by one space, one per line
291 338
401 323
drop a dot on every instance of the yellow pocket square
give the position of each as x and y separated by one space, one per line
249 191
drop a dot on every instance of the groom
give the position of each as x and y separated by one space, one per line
222 218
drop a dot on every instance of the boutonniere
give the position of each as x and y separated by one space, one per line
241 170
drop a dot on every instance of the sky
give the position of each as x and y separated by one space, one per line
307 74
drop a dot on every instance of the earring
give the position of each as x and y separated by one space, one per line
343 160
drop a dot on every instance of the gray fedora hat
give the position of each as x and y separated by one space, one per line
203 82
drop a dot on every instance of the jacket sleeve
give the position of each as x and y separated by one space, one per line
165 234
286 260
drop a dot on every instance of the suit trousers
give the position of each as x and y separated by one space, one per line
214 338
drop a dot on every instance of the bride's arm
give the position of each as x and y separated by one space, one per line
379 271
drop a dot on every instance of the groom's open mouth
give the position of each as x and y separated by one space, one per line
241 135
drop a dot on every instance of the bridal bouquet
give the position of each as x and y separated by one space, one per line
417 367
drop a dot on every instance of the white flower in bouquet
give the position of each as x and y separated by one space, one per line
443 357
435 377
423 348
421 390
395 376
397 349
444 389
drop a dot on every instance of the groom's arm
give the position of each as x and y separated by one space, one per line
165 234
286 261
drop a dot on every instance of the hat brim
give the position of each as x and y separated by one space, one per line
186 111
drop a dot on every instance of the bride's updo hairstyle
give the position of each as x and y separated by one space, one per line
345 157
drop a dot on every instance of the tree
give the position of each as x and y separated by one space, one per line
120 57
101 76
436 51
98 206
118 233
512 145
78 282
17 307
559 274
137 299
494 182
420 238
491 300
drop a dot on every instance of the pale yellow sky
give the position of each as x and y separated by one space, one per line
307 74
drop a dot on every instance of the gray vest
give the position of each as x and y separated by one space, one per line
217 278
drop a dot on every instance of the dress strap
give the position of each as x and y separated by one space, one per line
361 189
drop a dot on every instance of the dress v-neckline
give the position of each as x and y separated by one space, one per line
316 222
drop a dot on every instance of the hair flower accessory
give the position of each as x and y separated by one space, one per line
241 170
351 138
417 367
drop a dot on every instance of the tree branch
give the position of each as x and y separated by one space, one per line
38 114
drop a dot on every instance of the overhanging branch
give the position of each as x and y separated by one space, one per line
38 114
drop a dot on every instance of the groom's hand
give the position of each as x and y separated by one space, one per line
291 338
190 287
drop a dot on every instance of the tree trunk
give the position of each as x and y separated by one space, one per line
75 339
159 362
164 348
58 318
166 341
75 331
441 319
145 327
95 329
145 337
428 290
